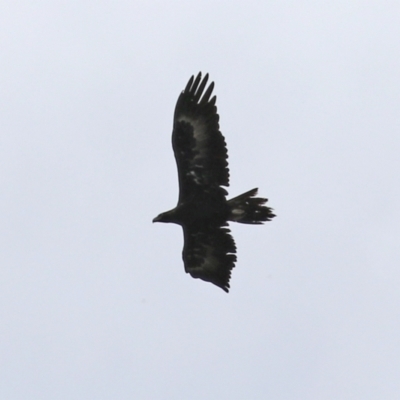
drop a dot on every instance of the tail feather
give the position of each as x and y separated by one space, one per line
248 209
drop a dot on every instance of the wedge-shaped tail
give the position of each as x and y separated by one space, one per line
248 209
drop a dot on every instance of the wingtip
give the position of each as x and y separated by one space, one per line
189 84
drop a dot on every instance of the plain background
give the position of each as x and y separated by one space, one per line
94 301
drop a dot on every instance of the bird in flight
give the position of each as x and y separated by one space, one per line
203 212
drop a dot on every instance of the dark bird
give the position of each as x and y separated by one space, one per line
209 251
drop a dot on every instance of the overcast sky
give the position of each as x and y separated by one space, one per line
94 300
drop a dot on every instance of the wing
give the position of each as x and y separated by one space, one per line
209 254
199 147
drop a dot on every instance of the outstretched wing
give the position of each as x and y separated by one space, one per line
199 147
209 253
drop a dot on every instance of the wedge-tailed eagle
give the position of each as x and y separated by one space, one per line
209 251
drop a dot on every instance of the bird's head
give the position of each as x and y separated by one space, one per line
167 216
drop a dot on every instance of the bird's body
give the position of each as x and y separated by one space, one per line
203 211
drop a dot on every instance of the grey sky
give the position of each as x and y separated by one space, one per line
94 301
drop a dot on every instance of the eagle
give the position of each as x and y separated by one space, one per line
203 211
